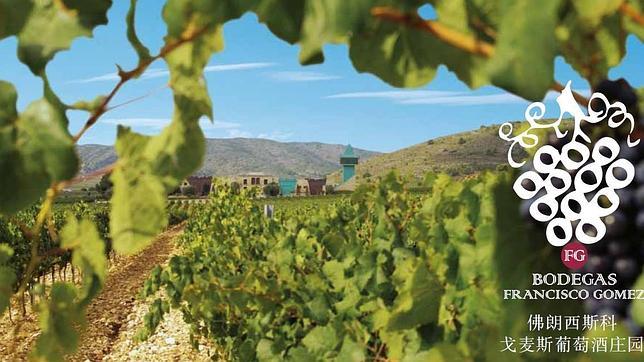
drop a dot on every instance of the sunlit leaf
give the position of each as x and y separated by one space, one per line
52 25
7 277
88 253
59 318
398 55
35 150
526 48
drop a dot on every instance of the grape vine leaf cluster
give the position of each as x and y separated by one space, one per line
510 44
35 150
387 274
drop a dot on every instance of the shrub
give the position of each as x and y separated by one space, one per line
272 189
187 190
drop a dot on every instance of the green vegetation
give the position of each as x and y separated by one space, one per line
351 281
54 253
383 274
271 190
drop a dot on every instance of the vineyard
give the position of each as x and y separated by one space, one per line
383 274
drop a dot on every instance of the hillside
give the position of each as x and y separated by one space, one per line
232 156
459 154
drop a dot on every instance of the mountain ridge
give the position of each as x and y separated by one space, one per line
232 156
459 155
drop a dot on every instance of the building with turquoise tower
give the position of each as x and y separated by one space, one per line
348 160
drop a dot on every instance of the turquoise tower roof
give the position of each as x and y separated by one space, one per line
348 153
348 157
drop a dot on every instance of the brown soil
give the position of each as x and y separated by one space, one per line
108 311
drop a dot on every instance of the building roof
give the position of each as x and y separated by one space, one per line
253 174
190 178
348 152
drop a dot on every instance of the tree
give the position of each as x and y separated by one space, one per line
235 187
272 189
187 190
104 184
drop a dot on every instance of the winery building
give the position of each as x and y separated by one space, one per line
200 184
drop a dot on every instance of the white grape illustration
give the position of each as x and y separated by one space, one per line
585 174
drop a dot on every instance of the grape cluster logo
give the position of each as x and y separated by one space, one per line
573 186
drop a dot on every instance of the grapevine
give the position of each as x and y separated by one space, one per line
377 276
483 43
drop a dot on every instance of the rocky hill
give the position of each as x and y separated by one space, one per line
231 156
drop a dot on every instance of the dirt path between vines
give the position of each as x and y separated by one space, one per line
115 315
107 313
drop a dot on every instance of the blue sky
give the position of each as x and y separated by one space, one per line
259 89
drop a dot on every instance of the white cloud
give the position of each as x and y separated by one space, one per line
138 122
447 98
276 135
238 66
217 129
158 123
461 100
393 95
206 124
300 76
158 72
237 133
99 78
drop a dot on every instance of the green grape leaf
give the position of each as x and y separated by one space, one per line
7 280
8 99
330 21
398 55
141 50
52 25
637 305
13 15
351 351
470 69
418 298
150 167
88 253
526 47
7 277
138 198
35 150
6 252
321 339
591 12
283 17
631 25
299 354
606 43
89 106
59 317
439 353
265 351
52 98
